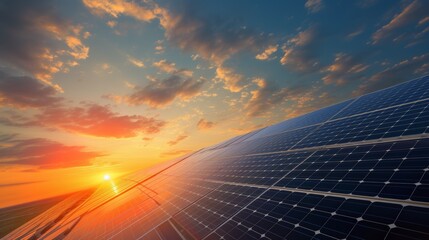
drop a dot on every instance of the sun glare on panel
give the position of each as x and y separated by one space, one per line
106 177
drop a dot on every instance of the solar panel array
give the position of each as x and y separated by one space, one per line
355 170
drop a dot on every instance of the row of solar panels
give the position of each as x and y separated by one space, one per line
356 170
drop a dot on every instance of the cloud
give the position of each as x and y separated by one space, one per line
175 152
25 92
355 33
265 55
159 47
314 5
412 14
38 40
116 8
233 81
88 119
136 62
160 93
165 66
264 98
213 38
186 26
98 120
345 68
300 52
177 140
402 71
44 153
203 124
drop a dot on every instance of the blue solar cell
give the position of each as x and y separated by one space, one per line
375 125
291 217
404 234
273 143
406 92
382 212
312 118
368 230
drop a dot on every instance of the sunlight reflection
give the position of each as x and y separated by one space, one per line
114 187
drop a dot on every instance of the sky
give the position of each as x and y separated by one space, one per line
97 87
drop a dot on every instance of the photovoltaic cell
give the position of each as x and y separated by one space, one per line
403 120
404 93
355 170
309 119
290 215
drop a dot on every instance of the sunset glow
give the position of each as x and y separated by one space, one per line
93 90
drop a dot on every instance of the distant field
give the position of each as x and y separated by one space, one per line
15 216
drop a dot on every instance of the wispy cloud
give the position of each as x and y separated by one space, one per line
266 54
345 68
233 81
204 124
413 13
116 8
136 62
177 140
314 5
159 93
159 47
165 66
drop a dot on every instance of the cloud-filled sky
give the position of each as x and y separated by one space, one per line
110 86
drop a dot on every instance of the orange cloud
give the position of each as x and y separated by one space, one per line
44 153
265 55
165 66
233 81
136 62
115 8
97 120
344 68
204 124
177 140
89 119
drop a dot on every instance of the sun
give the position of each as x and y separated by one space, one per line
106 177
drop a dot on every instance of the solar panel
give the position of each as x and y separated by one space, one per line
355 170
407 92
